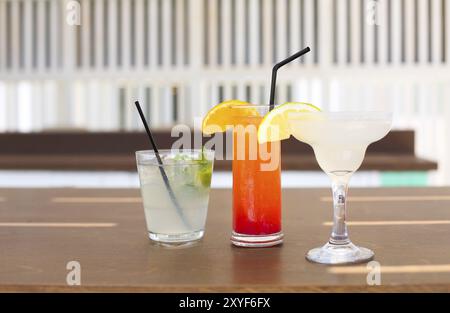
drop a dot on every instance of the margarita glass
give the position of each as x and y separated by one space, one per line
339 141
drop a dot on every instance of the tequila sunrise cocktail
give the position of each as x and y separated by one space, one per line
256 186
256 174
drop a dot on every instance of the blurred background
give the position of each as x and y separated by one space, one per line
70 71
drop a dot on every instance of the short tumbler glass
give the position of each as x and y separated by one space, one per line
175 194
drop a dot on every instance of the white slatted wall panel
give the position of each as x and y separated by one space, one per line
383 32
180 57
3 42
423 30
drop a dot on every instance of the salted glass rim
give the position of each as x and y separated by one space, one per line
370 113
365 115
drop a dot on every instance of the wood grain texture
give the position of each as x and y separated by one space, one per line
121 258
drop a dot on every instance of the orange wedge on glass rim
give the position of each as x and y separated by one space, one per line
225 115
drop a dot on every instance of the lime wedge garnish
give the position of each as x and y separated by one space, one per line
275 125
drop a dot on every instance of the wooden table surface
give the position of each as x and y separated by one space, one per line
41 230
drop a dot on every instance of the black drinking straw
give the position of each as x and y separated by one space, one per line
275 68
161 168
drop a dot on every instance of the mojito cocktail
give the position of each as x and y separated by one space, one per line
189 174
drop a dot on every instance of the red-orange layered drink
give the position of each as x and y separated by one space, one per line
256 185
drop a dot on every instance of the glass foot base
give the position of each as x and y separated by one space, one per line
176 239
255 241
339 254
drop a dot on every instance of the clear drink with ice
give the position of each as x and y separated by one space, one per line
188 173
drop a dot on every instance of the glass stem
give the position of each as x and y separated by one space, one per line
339 234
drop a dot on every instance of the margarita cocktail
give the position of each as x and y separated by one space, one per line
339 141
